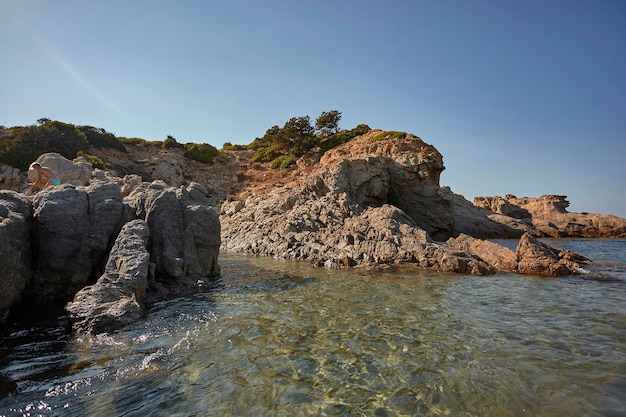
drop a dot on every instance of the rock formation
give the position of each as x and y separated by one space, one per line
70 230
537 258
115 300
15 250
73 230
185 230
548 215
367 202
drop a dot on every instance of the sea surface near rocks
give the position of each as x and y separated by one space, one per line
280 338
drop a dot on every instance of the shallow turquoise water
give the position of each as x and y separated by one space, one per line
280 338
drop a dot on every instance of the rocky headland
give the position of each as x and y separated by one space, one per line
105 241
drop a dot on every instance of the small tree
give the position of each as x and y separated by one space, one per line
327 123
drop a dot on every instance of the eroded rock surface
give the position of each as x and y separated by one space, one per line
15 252
536 258
549 216
115 300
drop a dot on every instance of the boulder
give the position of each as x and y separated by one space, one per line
500 258
185 231
536 258
73 230
115 300
77 172
15 249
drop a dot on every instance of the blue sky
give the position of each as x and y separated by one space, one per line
520 97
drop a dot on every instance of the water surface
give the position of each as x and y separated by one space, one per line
280 338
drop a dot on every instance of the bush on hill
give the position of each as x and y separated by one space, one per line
100 138
201 152
391 134
25 143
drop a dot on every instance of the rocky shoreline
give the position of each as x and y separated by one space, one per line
102 242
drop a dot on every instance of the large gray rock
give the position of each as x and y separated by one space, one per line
185 231
15 253
74 228
115 300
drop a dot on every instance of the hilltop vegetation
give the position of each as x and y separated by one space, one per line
280 146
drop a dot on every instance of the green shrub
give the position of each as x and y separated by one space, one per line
230 147
391 134
265 154
171 143
284 162
343 137
93 160
25 144
201 152
132 141
100 138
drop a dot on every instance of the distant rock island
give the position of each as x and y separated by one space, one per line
151 221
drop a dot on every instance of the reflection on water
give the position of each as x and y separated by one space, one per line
279 338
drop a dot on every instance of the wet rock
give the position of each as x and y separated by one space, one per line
115 300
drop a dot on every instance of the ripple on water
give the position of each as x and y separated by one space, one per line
280 339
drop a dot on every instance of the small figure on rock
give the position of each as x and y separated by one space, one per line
45 176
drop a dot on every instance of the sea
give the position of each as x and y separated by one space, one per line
283 338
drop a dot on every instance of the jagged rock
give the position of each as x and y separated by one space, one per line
74 227
77 172
499 257
115 300
549 216
15 253
185 232
536 258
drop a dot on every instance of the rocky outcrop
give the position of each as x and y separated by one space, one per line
73 230
185 230
15 253
115 300
549 216
537 258
367 202
56 243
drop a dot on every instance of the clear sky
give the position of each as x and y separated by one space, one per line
521 97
